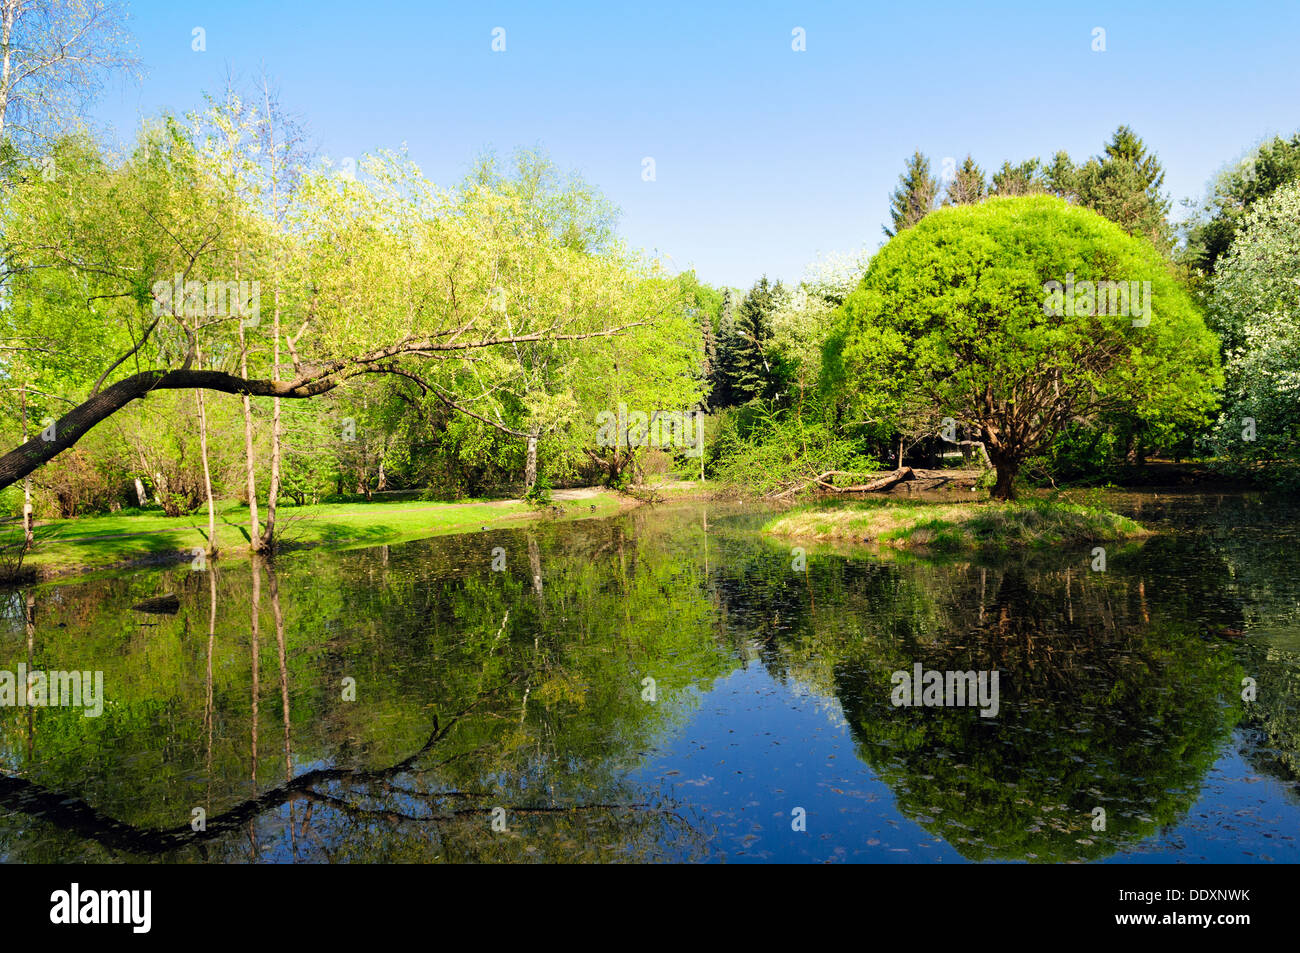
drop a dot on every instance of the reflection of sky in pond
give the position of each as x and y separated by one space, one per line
1118 689
757 750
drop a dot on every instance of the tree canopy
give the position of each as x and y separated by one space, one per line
957 316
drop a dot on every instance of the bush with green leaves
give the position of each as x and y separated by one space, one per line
760 448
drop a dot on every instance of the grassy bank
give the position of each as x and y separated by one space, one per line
953 527
86 544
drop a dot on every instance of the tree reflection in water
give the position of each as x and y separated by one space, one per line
525 690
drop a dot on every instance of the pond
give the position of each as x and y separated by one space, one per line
670 685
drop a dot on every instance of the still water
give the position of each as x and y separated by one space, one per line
667 686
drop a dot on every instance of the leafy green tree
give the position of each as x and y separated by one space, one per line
960 316
380 274
705 304
1255 306
1234 193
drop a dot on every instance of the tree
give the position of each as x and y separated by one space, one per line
1255 306
54 55
915 196
391 275
1234 193
705 303
721 389
1061 177
1124 185
1023 179
968 185
548 242
281 147
752 375
967 315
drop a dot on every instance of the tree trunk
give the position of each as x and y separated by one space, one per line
535 565
273 491
254 528
312 381
1005 487
530 468
27 483
207 474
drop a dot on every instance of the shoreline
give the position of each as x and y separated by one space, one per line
146 540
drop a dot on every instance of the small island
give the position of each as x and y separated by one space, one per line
954 527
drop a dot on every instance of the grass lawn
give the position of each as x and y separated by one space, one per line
954 527
97 542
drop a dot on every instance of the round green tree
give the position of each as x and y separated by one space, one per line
1014 319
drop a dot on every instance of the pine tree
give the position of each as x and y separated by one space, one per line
1124 186
752 374
710 361
968 186
722 393
1023 179
915 196
1125 146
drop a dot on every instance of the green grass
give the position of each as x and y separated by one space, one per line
956 527
90 543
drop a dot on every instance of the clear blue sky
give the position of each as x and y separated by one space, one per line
765 157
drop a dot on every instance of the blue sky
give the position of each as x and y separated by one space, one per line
765 157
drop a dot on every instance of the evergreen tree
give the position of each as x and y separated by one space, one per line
968 186
1124 186
710 346
753 377
722 393
1023 179
1061 178
915 196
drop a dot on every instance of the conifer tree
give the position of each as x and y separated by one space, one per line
1124 185
916 195
1023 179
752 374
968 186
721 390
